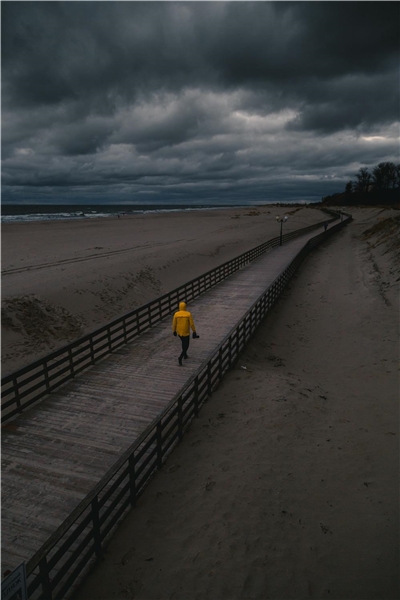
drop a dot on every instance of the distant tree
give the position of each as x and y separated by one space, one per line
397 176
349 187
384 176
363 180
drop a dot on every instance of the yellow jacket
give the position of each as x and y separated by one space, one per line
183 321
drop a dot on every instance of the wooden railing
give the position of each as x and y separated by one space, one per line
75 545
28 385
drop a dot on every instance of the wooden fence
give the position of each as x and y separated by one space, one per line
28 385
80 540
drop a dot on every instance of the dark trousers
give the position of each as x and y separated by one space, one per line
185 339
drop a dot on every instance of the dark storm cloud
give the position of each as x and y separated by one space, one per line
354 101
203 99
57 51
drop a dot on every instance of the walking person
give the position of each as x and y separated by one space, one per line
326 225
181 324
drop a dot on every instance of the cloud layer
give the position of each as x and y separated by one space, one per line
195 102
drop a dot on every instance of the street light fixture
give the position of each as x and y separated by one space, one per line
281 220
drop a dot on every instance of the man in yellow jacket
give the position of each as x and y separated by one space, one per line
181 324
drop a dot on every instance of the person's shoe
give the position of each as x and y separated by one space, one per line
186 356
180 361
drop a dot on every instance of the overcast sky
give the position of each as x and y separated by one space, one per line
195 102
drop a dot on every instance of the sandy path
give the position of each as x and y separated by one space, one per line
286 487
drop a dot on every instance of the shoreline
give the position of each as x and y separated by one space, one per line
78 213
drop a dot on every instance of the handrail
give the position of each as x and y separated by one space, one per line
79 540
29 384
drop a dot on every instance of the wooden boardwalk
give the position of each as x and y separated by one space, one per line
55 453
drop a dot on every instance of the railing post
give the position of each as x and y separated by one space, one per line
209 390
137 322
46 375
96 527
220 363
91 349
159 310
262 307
44 575
124 328
71 362
246 321
230 352
17 397
109 338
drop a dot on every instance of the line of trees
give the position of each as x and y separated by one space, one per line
385 176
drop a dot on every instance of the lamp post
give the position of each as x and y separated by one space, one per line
281 220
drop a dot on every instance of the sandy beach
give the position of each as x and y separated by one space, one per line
63 279
286 486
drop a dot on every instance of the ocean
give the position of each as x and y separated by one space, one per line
11 213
